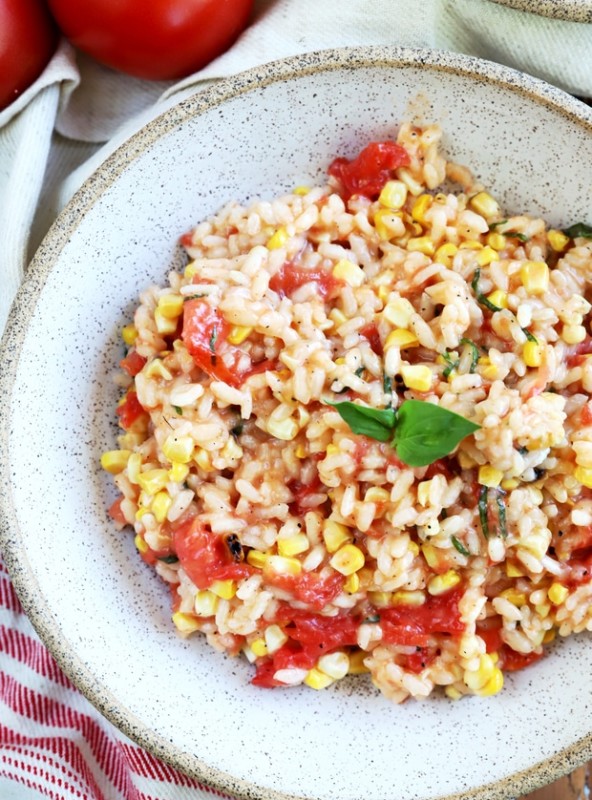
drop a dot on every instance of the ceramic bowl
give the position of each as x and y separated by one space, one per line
101 612
568 10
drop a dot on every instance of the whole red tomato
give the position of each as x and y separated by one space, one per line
155 39
28 38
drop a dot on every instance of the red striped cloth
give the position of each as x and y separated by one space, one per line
53 743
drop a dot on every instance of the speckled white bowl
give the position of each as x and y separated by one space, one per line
569 10
102 613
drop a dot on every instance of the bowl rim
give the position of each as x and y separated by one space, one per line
563 10
11 542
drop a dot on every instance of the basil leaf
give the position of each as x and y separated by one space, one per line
481 297
482 506
373 422
522 237
579 229
178 409
425 432
501 516
475 353
168 559
530 336
494 225
213 339
387 384
452 365
458 545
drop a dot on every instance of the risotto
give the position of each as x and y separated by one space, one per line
357 430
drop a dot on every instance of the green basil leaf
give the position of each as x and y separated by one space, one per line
474 353
494 225
483 510
579 229
373 422
530 336
452 365
426 432
501 516
458 545
522 237
481 297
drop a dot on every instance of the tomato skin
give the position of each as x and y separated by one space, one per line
130 411
133 363
28 39
407 625
309 588
204 556
289 278
367 173
159 40
511 661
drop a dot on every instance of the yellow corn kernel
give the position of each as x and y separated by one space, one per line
402 339
573 334
431 555
513 570
279 239
496 240
171 305
164 325
301 451
352 584
498 298
420 206
141 545
413 548
464 459
317 679
185 623
406 598
557 593
335 534
356 662
256 558
156 369
490 476
348 559
232 450
535 277
284 429
115 461
337 317
178 472
442 583
532 354
423 492
190 270
130 440
224 589
543 610
274 638
549 636
470 244
301 190
494 685
380 599
153 480
259 647
584 476
335 665
421 244
536 543
134 465
509 483
487 256
238 334
558 240
349 272
206 603
393 195
483 203
282 565
160 506
375 494
452 693
293 545
141 511
514 596
445 253
477 679
398 312
417 377
383 293
178 448
383 224
129 334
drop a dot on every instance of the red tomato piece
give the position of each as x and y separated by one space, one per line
28 39
204 555
418 661
310 588
263 677
130 411
116 513
159 40
511 661
133 363
370 332
577 352
290 277
586 414
370 170
204 333
328 633
492 636
413 625
301 492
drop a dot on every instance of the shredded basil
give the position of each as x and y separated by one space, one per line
213 337
371 619
482 506
475 353
530 336
481 297
494 225
458 545
522 237
359 372
194 297
579 229
452 365
420 432
178 409
168 559
501 515
237 429
387 384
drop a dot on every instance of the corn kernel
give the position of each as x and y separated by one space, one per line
420 206
352 584
356 662
393 195
279 239
549 636
584 476
335 534
498 298
171 305
348 559
375 494
558 240
190 270
470 244
442 583
224 589
408 598
160 506
490 476
156 369
115 461
164 325
178 472
452 693
141 545
335 665
380 599
573 334
431 555
274 638
129 334
282 565
337 316
402 339
445 253
349 272
535 277
398 312
257 559
153 480
238 334
477 679
383 224
483 203
301 451
413 548
532 354
487 256
206 603
284 429
513 570
259 647
178 448
514 596
557 593
383 293
465 461
231 450
423 492
185 623
301 190
494 685
293 545
496 240
421 244
509 483
317 679
134 465
417 377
